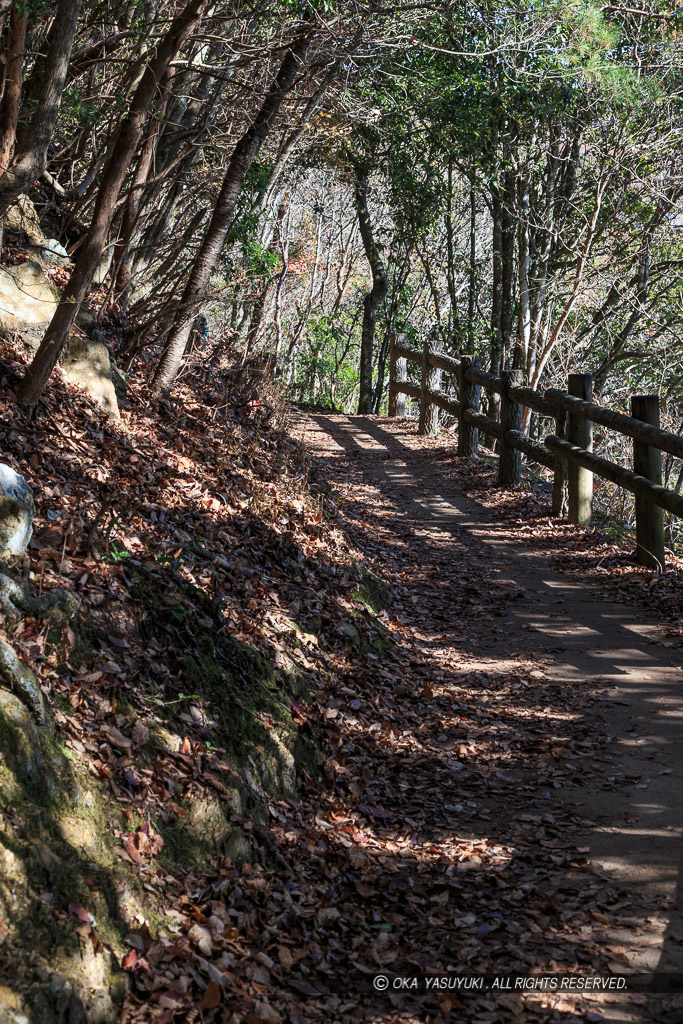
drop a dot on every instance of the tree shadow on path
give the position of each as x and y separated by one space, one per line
635 841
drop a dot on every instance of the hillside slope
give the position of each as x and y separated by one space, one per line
208 594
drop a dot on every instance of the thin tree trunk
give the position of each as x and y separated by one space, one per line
113 177
293 139
11 97
578 278
122 259
374 298
241 160
283 239
30 154
256 320
507 263
496 293
450 252
524 313
496 300
472 271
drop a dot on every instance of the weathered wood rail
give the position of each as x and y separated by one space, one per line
568 452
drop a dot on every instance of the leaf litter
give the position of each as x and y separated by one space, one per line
428 841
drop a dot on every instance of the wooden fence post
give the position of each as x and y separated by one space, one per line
647 461
509 460
560 476
580 432
469 398
398 374
429 413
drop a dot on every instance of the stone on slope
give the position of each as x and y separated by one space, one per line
22 216
26 296
51 253
86 363
16 513
21 682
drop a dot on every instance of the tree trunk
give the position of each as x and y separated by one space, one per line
290 143
113 177
11 97
122 260
472 271
30 154
205 261
507 263
496 292
523 260
454 327
283 239
374 298
493 405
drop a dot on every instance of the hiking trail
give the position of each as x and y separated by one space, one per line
543 725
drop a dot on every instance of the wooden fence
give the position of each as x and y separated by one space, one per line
568 452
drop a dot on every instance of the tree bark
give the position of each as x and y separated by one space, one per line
374 298
523 262
507 262
206 259
30 154
496 288
127 140
472 270
123 258
11 97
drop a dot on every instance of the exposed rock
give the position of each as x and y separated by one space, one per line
348 630
86 319
16 514
26 768
86 362
278 770
22 683
118 378
209 819
50 252
80 993
51 245
22 216
120 382
26 296
16 596
28 301
71 982
239 847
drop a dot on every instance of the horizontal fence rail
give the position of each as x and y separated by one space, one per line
568 452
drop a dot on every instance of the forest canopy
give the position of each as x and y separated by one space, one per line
305 180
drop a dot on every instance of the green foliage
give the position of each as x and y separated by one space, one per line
326 370
260 260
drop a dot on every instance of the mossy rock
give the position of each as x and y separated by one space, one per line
30 760
43 866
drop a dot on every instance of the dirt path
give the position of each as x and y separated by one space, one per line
553 718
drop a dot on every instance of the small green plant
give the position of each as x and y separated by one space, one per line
614 530
116 554
179 700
